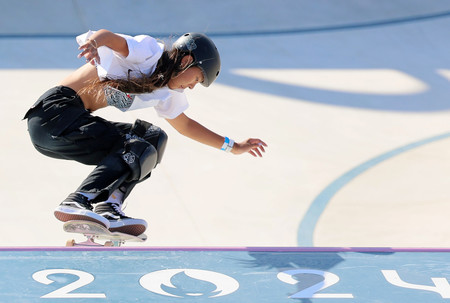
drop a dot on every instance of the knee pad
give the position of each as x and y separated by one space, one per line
161 146
144 149
140 156
153 134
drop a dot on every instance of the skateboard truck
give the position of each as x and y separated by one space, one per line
94 231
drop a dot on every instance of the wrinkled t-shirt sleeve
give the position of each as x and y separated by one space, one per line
173 106
142 49
144 53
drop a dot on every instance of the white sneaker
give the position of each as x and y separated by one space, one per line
118 221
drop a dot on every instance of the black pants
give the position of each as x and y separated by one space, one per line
60 127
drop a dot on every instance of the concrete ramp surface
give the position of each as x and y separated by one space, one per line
352 97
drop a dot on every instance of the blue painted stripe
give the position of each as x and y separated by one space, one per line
317 207
350 26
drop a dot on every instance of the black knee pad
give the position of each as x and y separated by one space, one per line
161 146
144 148
153 134
141 157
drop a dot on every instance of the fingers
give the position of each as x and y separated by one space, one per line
261 146
257 149
254 147
255 153
89 52
84 50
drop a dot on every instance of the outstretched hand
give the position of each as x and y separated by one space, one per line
89 51
255 147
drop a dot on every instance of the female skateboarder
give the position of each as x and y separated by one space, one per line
128 73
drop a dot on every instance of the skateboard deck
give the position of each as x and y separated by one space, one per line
94 231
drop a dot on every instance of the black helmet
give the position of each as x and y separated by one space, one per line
204 52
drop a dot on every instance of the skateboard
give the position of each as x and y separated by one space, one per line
94 231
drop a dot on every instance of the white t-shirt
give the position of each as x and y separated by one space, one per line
144 53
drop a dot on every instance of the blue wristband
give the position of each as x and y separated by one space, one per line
225 143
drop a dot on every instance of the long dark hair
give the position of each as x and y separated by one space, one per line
168 66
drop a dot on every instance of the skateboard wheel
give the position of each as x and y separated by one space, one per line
70 243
